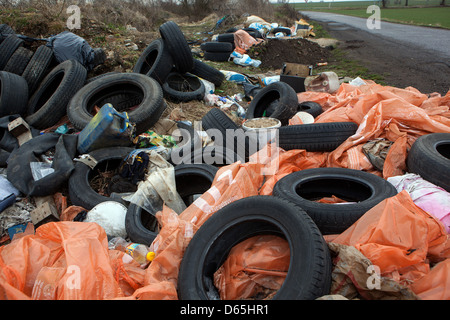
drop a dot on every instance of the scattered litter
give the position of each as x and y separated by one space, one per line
362 128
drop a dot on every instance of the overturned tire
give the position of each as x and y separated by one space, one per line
81 192
123 91
191 180
214 155
183 87
49 103
205 71
311 107
277 100
362 191
429 157
217 56
7 49
18 61
177 46
309 274
315 136
155 61
216 46
38 67
226 133
13 94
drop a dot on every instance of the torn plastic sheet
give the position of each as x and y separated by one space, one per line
158 187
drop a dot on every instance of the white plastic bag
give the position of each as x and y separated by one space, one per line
427 196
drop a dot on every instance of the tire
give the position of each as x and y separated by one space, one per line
218 120
205 71
364 189
13 94
6 29
80 190
315 136
309 274
311 107
279 92
183 87
177 46
49 103
217 56
100 76
141 225
7 49
155 61
215 46
122 90
254 33
38 67
226 37
285 31
214 155
429 157
19 61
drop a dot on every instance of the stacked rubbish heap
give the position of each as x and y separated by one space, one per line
336 191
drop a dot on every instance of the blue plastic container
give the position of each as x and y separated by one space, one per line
108 128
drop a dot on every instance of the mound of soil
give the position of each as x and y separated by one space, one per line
274 52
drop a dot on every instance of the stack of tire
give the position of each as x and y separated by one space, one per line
217 51
33 85
169 60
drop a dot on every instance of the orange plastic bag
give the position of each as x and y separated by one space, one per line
243 41
65 260
255 268
400 238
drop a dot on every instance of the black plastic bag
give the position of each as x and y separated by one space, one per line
19 171
68 46
8 142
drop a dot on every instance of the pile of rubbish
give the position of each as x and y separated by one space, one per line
327 190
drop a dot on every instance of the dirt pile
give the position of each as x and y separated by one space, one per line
274 52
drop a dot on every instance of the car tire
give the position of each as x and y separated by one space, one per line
81 192
177 46
191 180
429 157
362 190
279 93
155 61
13 94
49 103
325 136
123 91
309 273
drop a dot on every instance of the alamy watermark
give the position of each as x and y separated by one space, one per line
374 21
74 20
374 280
230 146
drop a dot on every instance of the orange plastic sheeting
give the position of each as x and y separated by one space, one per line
231 183
254 267
279 163
402 240
243 41
399 115
66 261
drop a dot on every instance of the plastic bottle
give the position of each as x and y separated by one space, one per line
139 252
247 61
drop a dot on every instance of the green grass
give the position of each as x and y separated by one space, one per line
430 16
345 67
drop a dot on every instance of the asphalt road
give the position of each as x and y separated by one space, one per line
408 55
